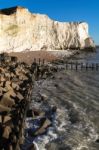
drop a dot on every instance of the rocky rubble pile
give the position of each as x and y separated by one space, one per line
15 94
38 122
16 84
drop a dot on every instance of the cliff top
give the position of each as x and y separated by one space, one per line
11 10
15 9
22 30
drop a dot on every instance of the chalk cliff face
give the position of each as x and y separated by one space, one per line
21 30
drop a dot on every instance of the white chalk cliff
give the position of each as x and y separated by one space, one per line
21 30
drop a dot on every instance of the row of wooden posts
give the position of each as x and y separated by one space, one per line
82 66
39 61
74 65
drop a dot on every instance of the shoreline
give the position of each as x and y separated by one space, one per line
48 56
58 84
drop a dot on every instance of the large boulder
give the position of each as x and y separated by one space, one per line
89 42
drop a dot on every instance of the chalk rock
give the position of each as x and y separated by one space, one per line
21 30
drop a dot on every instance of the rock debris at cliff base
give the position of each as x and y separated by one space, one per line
16 85
15 94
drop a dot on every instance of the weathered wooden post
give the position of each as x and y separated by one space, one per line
92 66
34 60
97 66
66 65
43 61
39 61
76 66
71 65
86 66
81 66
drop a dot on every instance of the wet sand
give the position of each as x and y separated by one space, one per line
29 57
48 56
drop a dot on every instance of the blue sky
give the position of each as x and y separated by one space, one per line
64 10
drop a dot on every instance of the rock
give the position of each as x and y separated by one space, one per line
88 43
2 79
44 97
43 128
29 113
1 91
10 147
21 140
7 131
11 93
23 77
38 114
84 148
13 101
54 108
57 146
74 116
14 59
46 124
35 113
0 119
56 85
33 146
15 86
20 96
7 101
6 119
1 70
40 32
4 108
8 85
97 141
14 139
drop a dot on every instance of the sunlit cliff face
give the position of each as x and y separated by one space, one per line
83 32
21 30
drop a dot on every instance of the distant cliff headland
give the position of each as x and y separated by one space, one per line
21 30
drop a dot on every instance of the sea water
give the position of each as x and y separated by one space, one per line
76 96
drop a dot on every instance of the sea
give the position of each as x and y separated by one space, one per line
75 93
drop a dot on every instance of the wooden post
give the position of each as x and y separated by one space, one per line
39 61
66 65
76 66
92 66
34 60
81 66
43 61
97 66
86 66
71 65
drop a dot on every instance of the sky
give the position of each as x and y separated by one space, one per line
64 10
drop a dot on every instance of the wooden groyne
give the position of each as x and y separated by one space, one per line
82 66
